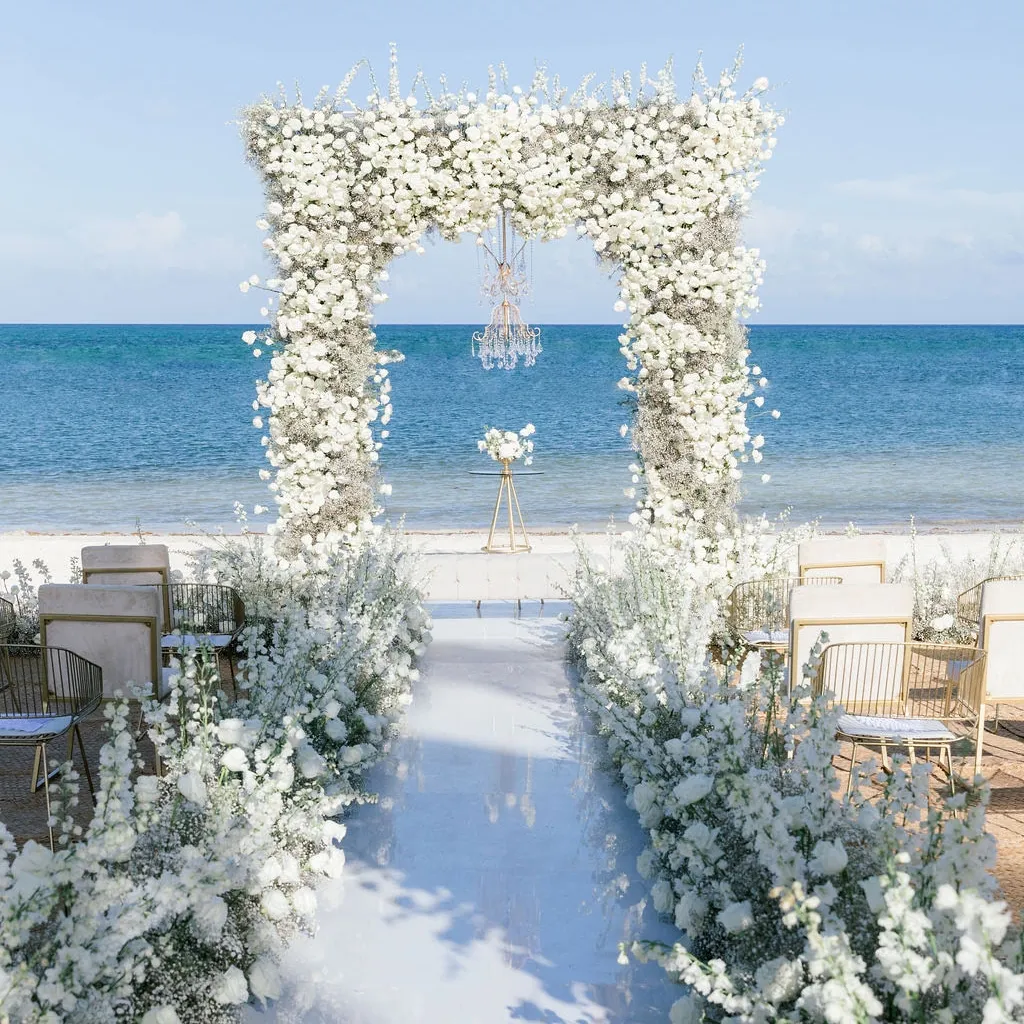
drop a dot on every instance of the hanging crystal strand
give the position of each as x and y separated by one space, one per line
506 338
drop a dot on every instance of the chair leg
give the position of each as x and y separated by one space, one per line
85 759
949 767
978 740
853 765
33 786
231 673
885 756
913 760
46 788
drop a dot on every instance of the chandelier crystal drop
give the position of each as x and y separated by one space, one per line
506 338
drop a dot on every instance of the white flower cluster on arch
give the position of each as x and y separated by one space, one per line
657 182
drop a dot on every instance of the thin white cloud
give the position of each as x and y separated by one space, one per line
924 191
142 243
145 234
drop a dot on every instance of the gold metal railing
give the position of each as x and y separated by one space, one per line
762 606
896 680
968 604
8 620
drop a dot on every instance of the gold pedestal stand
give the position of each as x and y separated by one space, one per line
507 489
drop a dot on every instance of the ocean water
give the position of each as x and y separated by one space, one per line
103 426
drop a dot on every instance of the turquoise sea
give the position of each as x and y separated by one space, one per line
103 425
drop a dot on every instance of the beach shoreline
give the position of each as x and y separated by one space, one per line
454 565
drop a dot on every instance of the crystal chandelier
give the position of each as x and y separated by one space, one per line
506 338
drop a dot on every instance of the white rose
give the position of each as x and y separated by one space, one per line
828 858
275 904
161 1015
662 894
235 760
264 979
737 917
231 732
304 901
147 789
209 917
779 979
646 863
336 729
688 1010
230 988
310 763
192 787
693 788
690 913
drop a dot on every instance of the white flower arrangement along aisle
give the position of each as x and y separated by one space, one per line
658 182
793 904
175 903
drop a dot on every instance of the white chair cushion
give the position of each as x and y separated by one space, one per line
11 728
174 641
920 730
760 636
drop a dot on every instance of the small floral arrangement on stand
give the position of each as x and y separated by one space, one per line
507 446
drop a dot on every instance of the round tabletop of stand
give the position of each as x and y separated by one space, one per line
491 472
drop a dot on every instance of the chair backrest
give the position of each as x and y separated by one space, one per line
1001 634
205 608
848 613
764 604
8 619
46 682
915 680
855 559
968 604
128 565
116 627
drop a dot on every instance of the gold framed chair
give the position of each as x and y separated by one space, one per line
203 615
8 619
853 559
968 604
757 611
1001 636
8 624
45 693
118 628
848 613
904 695
128 565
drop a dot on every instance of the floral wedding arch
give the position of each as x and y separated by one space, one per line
659 184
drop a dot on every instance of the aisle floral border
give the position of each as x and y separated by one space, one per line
175 902
793 904
658 183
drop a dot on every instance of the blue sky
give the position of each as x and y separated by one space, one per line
895 196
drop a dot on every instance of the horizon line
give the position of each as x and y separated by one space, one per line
473 323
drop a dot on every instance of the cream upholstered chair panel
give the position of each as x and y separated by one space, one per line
128 565
1001 634
126 558
854 559
117 628
848 613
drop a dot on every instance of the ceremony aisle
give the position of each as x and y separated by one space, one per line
496 877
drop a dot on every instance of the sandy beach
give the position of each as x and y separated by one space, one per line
456 567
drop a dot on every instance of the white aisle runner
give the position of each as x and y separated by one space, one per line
496 878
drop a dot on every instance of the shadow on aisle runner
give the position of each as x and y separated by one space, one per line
496 877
